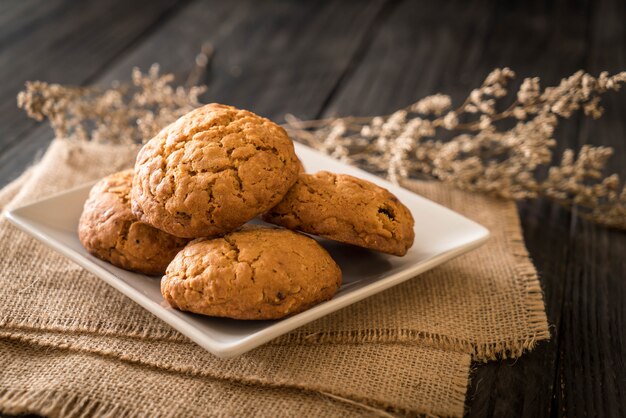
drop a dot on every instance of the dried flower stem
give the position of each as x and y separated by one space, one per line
121 114
486 154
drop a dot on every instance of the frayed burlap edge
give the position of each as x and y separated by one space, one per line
142 333
530 287
380 408
53 403
479 352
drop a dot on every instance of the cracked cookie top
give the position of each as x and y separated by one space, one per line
211 171
253 273
346 209
109 230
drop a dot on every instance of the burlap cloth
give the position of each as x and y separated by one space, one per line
70 345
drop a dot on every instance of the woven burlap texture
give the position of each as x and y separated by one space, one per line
76 384
412 343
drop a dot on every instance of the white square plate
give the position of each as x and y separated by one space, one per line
440 235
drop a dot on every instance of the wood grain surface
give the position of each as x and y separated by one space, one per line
323 58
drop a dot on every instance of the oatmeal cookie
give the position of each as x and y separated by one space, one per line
346 209
253 273
211 171
109 230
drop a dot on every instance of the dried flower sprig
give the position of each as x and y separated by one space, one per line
121 114
499 152
484 154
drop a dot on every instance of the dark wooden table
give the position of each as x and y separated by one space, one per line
316 59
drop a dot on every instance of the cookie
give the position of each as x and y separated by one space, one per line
211 171
109 230
253 273
346 209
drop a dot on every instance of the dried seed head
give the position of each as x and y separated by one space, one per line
464 147
481 157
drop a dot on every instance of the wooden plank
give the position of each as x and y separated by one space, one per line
413 54
592 349
272 58
524 387
423 49
17 17
549 41
69 47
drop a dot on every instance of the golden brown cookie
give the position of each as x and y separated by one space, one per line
109 230
211 171
254 273
346 209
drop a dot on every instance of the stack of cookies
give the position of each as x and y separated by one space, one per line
182 212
